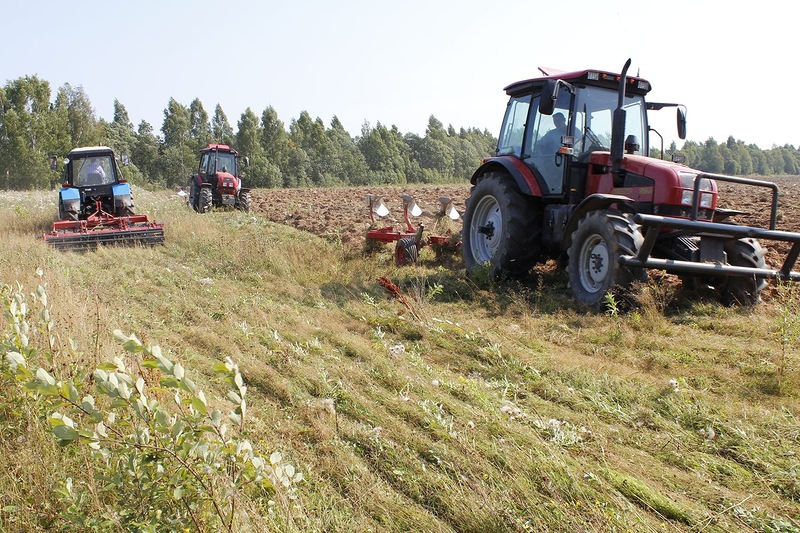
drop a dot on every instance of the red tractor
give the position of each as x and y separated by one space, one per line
572 179
218 181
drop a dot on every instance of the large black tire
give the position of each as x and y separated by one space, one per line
194 194
66 215
204 200
406 251
244 201
737 290
502 227
593 268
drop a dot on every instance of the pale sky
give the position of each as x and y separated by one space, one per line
734 67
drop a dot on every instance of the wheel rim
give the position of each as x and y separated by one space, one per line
486 229
594 263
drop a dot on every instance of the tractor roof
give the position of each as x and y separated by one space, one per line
218 148
597 78
90 150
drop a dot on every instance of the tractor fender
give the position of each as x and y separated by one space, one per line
594 202
122 197
522 175
70 199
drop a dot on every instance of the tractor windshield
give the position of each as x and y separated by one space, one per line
226 163
594 110
94 170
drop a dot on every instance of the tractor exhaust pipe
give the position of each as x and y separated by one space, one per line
618 126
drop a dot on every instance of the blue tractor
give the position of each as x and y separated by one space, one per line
95 205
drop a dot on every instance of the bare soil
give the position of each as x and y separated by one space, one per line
342 213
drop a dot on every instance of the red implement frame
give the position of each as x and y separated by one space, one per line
388 234
104 228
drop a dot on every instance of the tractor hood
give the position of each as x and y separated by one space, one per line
656 169
653 168
227 183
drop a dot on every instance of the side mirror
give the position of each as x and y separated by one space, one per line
681 122
547 102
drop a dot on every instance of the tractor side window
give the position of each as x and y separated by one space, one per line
635 119
545 140
204 165
511 134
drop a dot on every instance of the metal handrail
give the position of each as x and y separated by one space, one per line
743 181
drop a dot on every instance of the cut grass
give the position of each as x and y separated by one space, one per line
490 410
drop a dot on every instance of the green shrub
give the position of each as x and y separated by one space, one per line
161 456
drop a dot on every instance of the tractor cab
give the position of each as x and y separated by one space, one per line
218 159
554 123
93 181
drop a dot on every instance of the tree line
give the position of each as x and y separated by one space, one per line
34 126
307 154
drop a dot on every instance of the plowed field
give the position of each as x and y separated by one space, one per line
342 213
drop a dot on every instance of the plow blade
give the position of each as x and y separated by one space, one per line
79 236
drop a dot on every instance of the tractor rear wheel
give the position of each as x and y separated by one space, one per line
194 194
244 201
502 228
205 200
593 268
738 290
66 215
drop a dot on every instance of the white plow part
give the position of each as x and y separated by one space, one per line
411 206
376 205
448 208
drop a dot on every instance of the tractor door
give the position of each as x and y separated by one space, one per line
544 137
207 167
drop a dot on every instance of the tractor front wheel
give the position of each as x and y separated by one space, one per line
593 268
244 201
502 227
742 290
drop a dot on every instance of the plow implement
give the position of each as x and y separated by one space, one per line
409 241
104 229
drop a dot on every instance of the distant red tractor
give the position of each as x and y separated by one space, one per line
218 181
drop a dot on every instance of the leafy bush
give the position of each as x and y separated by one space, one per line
161 455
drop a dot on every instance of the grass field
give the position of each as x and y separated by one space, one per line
455 408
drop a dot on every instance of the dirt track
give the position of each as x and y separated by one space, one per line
343 213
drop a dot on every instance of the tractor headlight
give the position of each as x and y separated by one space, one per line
706 199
